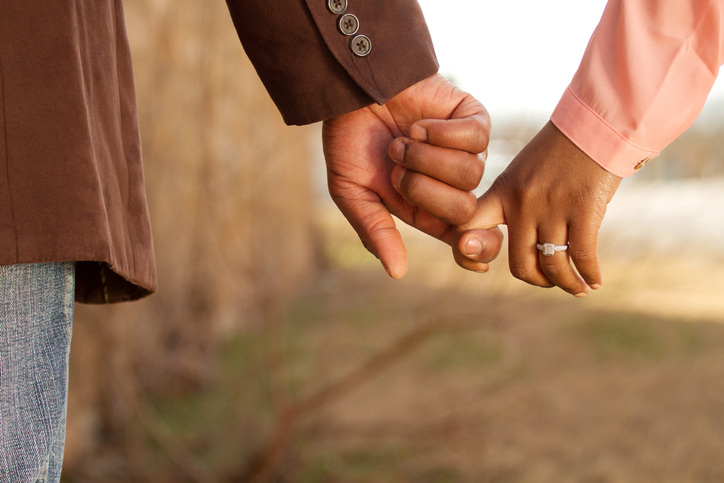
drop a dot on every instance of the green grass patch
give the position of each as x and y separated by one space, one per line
464 349
638 337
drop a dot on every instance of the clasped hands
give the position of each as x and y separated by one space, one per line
420 155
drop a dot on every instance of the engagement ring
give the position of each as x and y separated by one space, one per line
549 249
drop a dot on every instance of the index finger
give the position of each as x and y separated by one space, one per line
471 134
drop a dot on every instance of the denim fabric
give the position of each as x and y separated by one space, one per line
36 318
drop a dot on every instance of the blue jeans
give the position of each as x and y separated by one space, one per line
36 319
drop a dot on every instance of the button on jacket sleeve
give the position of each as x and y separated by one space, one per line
643 79
316 67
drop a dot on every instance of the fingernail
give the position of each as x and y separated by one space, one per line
396 272
580 295
595 286
418 133
397 150
396 177
473 247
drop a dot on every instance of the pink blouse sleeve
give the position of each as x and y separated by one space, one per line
643 80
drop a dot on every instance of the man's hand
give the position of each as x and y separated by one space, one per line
438 136
552 192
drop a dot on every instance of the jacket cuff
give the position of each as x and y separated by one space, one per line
389 48
598 139
314 70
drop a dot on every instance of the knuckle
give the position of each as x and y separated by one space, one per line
463 211
519 188
526 194
472 173
479 135
583 255
478 166
477 140
410 184
554 271
524 272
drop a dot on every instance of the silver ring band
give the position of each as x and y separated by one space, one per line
550 249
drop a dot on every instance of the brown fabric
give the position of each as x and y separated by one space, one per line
306 63
71 180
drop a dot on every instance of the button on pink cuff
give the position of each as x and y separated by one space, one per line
595 137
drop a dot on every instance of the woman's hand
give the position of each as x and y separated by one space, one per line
552 192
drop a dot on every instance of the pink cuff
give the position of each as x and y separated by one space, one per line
598 139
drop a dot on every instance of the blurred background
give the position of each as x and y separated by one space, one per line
278 350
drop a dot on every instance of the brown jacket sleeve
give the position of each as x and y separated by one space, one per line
310 67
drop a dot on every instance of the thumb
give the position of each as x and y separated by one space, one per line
479 241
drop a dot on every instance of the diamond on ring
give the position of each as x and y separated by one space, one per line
550 249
